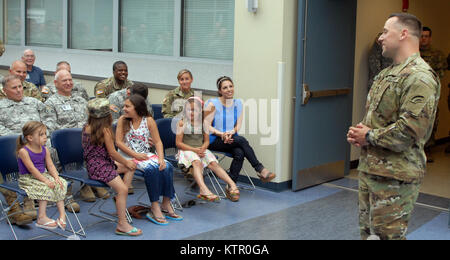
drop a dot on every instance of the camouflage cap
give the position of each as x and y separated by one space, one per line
99 107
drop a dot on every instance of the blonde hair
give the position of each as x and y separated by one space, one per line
183 72
28 129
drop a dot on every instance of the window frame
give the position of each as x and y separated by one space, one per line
205 70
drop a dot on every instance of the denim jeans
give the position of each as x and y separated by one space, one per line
159 183
240 149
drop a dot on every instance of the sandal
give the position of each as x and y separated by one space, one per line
232 195
268 178
157 220
210 197
132 233
47 225
62 224
172 216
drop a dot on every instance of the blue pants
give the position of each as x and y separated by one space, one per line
159 183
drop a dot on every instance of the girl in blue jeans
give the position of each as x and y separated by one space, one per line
136 133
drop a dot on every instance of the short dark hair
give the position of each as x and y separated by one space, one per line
427 29
139 89
117 63
411 22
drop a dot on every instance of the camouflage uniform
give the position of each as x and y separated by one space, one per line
400 110
436 59
106 87
66 112
2 48
78 90
117 99
377 62
173 103
13 115
29 90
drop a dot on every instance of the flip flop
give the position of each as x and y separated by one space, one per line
157 221
61 224
46 225
210 198
132 233
172 216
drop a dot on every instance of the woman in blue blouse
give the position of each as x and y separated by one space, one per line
224 118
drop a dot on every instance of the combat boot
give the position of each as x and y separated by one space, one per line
29 208
86 194
101 193
17 217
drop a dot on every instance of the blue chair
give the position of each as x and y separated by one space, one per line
157 111
67 143
168 137
10 170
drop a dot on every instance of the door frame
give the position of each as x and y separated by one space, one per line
300 78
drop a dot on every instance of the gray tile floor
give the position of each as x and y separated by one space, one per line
321 212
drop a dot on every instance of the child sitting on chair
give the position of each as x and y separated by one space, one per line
192 142
33 160
100 155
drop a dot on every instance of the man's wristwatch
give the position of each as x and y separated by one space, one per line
367 137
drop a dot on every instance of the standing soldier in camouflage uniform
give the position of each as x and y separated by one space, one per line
377 62
19 69
400 111
174 101
15 111
436 59
447 150
77 90
119 81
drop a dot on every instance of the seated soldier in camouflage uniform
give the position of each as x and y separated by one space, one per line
15 111
69 111
117 99
19 69
77 90
119 81
174 101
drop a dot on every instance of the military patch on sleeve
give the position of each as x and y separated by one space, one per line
114 108
100 92
45 90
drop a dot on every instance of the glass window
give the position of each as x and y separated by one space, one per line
91 24
44 23
208 29
147 26
13 22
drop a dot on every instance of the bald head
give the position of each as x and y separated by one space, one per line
18 68
28 57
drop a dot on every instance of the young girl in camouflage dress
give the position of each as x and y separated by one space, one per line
33 160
